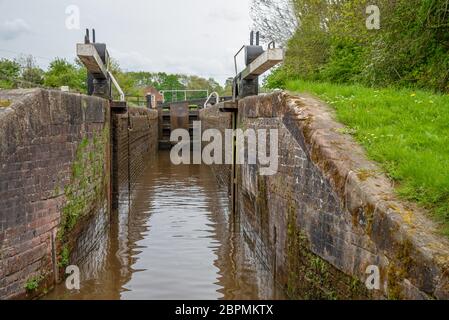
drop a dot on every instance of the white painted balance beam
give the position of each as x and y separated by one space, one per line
88 55
263 63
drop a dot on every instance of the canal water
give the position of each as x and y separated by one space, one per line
175 241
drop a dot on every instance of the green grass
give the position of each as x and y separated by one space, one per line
405 131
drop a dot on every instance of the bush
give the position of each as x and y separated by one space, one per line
277 79
345 62
332 43
9 72
62 73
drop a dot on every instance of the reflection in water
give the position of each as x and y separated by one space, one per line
176 242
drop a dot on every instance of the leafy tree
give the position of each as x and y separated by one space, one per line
31 75
228 87
332 43
198 83
215 86
126 82
142 79
170 81
9 74
62 73
25 73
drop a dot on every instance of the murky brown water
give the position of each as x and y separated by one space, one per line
175 242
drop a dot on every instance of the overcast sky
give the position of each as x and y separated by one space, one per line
177 36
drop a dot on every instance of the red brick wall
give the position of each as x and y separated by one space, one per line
318 224
42 134
142 139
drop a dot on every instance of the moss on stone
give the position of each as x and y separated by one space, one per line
310 276
365 174
369 222
357 288
65 256
398 270
87 181
5 103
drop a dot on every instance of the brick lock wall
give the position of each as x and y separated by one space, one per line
55 180
142 139
273 211
120 195
320 221
40 136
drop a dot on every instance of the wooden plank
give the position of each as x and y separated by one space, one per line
229 106
179 116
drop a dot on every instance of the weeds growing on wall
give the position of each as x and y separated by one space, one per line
85 188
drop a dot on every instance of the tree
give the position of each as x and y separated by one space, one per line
215 86
126 81
170 82
275 19
199 83
142 79
9 74
332 43
135 83
31 75
227 91
62 73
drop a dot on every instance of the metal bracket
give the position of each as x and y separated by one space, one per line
258 61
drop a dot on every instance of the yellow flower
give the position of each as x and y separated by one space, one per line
413 95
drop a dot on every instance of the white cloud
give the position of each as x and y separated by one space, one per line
217 67
132 60
12 29
211 67
195 36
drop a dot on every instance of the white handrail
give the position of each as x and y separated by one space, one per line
210 96
117 86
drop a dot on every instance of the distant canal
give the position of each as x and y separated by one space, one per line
176 241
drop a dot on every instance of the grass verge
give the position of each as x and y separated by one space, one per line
405 131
